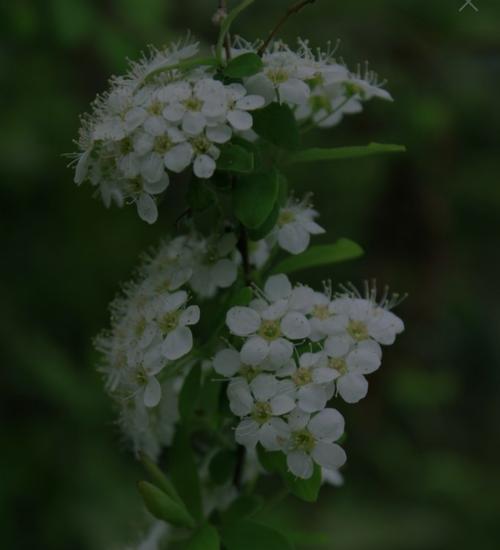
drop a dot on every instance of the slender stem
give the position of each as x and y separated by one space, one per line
227 38
294 8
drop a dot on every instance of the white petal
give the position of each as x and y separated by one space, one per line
254 351
337 346
134 118
193 123
293 238
174 112
155 125
179 157
295 326
227 362
204 166
240 120
280 351
261 85
82 167
152 392
282 404
298 419
240 399
323 375
311 398
225 273
294 91
178 343
152 168
274 434
247 432
363 361
171 302
329 455
219 134
250 102
146 208
275 311
242 321
352 387
143 143
278 287
300 464
302 299
159 186
190 316
264 386
327 425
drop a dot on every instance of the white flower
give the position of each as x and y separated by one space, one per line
364 319
269 327
260 402
323 319
216 265
312 440
295 226
228 363
309 379
282 78
239 103
348 364
173 321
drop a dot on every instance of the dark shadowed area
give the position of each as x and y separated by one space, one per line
423 447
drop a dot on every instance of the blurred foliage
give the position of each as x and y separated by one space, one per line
423 448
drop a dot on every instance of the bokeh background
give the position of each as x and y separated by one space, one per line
424 446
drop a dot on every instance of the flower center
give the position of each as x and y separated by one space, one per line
302 376
155 108
126 146
321 311
140 327
270 330
357 330
193 104
162 144
135 185
338 364
249 372
318 103
277 76
141 377
201 144
262 412
169 321
352 89
303 440
286 216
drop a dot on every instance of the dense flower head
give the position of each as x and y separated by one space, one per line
155 121
293 350
319 89
151 331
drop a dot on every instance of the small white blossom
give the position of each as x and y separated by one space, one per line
312 440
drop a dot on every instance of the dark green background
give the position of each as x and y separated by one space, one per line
423 447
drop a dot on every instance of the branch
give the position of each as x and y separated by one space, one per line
294 8
219 17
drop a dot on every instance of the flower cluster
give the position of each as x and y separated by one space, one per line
155 121
151 331
295 350
319 89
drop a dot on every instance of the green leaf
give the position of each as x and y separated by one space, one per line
226 25
190 393
163 507
234 158
305 489
254 197
242 507
249 535
222 466
340 251
184 472
276 123
242 297
316 153
159 478
205 538
264 229
251 147
246 64
200 196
